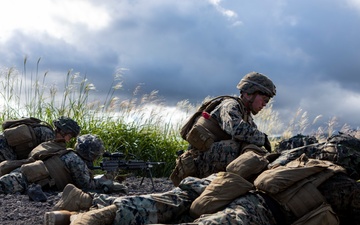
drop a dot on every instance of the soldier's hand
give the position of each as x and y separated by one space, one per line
110 186
267 144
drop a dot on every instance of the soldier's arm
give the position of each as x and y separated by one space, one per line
80 173
231 116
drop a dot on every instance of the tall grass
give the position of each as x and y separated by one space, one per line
140 125
128 126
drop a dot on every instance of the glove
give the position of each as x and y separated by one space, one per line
35 193
110 186
118 187
267 144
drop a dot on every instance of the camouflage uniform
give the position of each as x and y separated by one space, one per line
237 121
6 152
172 207
234 117
42 134
343 194
340 191
81 176
342 149
250 209
295 142
155 208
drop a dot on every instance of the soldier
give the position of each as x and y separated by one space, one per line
15 181
231 198
42 131
54 166
237 131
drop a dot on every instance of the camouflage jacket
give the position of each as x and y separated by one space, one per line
238 122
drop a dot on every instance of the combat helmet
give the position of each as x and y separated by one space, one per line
89 147
67 125
257 82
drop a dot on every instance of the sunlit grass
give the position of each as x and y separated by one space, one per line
131 126
141 124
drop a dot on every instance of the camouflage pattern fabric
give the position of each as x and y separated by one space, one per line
235 120
14 182
344 150
286 156
343 194
249 209
295 142
165 207
43 134
153 208
81 175
83 178
217 158
172 207
6 152
341 149
254 81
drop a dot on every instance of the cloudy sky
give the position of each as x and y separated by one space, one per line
191 49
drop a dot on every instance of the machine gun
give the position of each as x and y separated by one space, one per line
114 162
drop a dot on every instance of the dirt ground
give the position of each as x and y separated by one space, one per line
17 209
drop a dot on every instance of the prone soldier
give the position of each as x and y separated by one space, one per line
20 136
235 197
52 165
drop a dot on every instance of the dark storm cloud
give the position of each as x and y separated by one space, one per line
194 49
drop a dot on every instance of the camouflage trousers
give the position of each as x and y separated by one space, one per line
217 157
249 209
6 152
172 207
167 207
13 182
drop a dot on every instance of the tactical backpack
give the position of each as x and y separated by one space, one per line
201 130
50 153
294 187
20 134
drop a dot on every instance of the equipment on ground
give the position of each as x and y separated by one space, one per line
115 162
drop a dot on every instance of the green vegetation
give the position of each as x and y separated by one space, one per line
134 125
130 126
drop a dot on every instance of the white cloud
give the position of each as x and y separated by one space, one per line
54 17
167 42
354 3
331 100
230 14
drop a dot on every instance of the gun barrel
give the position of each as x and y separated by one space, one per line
114 165
95 168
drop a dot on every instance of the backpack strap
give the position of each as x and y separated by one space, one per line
13 123
58 171
30 121
207 106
